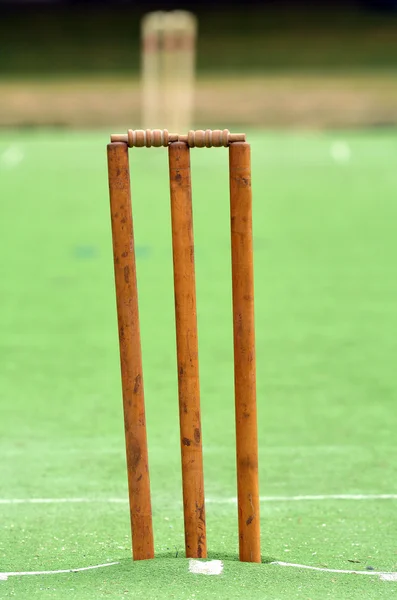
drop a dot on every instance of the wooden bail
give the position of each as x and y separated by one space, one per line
187 350
130 351
244 351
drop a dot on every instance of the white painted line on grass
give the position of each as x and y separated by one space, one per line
309 498
232 500
4 576
388 576
384 576
11 157
210 567
63 500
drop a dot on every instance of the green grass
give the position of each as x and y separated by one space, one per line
325 255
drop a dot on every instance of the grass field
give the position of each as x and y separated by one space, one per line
324 226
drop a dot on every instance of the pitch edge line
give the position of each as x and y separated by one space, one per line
4 576
311 497
384 576
308 498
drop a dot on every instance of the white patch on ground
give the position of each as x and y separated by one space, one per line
383 576
230 500
210 567
388 576
11 157
4 576
340 152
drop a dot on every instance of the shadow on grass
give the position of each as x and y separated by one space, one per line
225 556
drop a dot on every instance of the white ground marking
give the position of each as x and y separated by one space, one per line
11 157
340 152
388 576
307 498
210 567
383 576
63 500
232 500
4 576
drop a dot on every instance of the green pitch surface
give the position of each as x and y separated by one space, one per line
325 213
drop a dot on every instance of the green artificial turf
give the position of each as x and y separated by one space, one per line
326 314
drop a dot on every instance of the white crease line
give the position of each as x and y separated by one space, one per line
317 497
213 567
4 576
384 576
233 500
63 500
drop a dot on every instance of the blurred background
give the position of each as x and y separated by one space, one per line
269 63
314 86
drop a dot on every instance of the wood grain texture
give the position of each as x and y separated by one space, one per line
130 351
148 138
244 351
187 350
